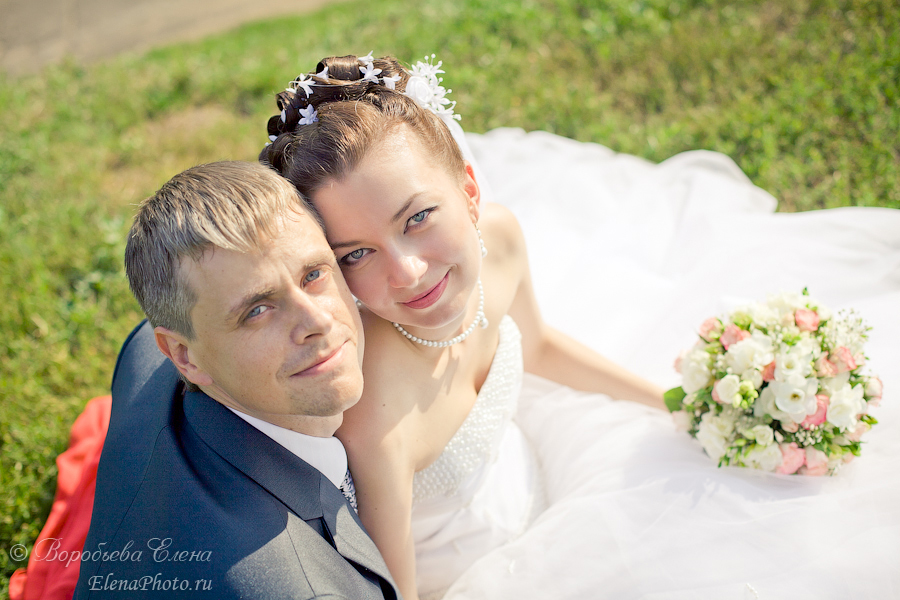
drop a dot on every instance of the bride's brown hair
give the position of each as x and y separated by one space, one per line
354 113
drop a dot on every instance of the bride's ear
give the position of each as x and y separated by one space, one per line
473 193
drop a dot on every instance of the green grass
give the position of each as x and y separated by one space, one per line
803 95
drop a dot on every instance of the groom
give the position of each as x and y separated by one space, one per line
233 487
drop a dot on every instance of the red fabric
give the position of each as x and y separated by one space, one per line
46 577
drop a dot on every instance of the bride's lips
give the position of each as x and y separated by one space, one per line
325 364
431 296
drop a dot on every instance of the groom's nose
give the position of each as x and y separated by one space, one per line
311 316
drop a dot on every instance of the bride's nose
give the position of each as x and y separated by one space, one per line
406 270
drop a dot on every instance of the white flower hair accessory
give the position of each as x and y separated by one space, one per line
308 115
303 82
424 86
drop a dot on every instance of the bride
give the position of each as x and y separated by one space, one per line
630 258
442 473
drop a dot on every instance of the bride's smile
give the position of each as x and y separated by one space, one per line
403 230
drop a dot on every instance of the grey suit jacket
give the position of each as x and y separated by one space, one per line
192 501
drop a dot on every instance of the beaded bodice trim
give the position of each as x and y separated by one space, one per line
476 441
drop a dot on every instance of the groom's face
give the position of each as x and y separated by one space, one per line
277 333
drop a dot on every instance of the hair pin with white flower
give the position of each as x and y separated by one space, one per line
424 86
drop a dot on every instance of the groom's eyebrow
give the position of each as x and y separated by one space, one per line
241 305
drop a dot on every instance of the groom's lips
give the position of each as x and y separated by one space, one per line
431 296
325 363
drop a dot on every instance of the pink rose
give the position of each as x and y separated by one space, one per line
715 394
806 320
708 327
792 458
768 372
818 417
825 368
874 388
816 463
857 433
732 335
790 426
843 360
678 363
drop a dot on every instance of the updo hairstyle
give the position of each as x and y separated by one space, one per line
354 113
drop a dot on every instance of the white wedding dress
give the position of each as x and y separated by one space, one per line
632 507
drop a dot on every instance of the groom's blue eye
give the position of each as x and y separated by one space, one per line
256 311
312 276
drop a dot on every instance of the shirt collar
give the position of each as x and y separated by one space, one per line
325 454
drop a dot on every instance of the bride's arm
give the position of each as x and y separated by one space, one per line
384 497
556 356
383 476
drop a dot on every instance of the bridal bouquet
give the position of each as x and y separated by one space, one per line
778 386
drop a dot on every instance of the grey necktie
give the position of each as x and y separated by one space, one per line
349 490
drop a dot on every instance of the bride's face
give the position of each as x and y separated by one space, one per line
402 229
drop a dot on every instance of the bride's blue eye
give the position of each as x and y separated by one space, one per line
353 257
419 217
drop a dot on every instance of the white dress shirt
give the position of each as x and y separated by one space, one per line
325 454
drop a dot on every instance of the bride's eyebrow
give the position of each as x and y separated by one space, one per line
399 214
351 243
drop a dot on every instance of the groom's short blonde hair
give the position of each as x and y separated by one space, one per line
229 205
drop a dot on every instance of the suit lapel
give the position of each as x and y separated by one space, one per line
279 471
301 487
350 538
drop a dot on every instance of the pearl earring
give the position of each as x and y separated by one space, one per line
481 242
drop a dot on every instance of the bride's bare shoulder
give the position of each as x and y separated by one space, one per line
502 232
387 396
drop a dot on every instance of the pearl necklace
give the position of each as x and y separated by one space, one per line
479 319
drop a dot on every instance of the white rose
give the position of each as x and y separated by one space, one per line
791 363
808 345
714 434
763 434
728 390
796 396
765 405
695 370
786 302
754 352
682 420
830 385
754 377
763 314
845 405
764 458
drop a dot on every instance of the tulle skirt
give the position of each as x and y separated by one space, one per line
629 258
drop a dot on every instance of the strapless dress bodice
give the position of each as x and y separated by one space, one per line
477 439
483 490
